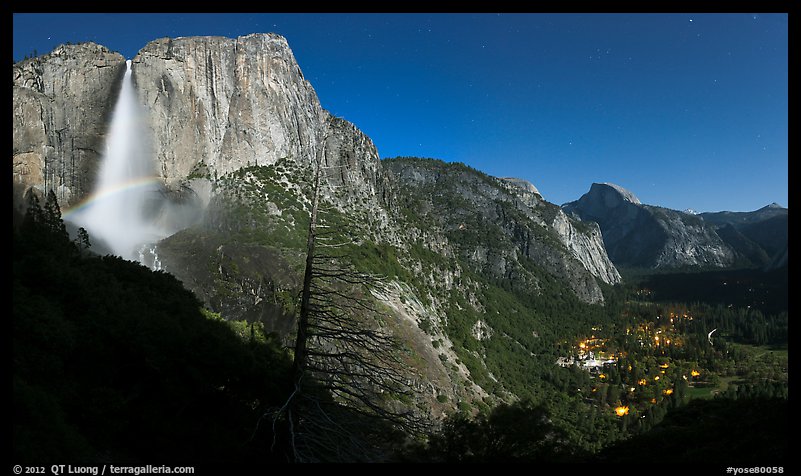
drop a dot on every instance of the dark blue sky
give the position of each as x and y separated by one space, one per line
685 110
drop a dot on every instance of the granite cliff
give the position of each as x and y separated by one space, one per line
62 103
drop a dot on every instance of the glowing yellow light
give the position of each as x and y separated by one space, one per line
653 400
662 371
667 341
656 338
632 389
582 345
629 367
668 391
684 377
656 378
664 366
594 390
695 373
642 381
601 376
622 411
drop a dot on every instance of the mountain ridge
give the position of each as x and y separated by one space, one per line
649 236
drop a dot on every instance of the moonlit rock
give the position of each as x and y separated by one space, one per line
624 193
523 184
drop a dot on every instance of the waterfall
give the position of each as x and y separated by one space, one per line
119 213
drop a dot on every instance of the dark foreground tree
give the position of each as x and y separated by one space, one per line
350 400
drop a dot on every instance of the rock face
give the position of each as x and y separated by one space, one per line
586 246
219 104
501 228
226 103
62 106
523 185
524 190
638 235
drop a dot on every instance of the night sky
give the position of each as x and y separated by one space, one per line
684 110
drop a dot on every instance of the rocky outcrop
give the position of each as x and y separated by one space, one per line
522 184
586 246
352 165
62 105
638 235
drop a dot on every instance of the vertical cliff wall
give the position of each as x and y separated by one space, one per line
61 108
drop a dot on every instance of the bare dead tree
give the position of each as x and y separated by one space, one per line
349 392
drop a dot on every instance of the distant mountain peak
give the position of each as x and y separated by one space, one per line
690 211
774 205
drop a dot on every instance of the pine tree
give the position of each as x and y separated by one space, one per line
82 241
52 214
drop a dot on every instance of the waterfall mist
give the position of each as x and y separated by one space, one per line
129 211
